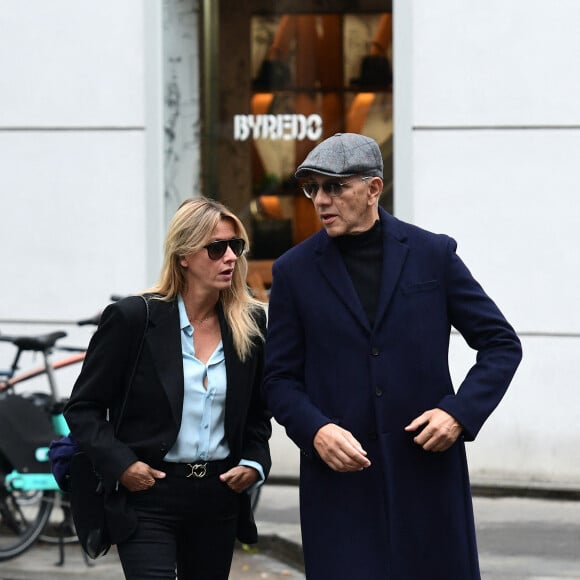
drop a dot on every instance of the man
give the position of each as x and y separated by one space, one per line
357 373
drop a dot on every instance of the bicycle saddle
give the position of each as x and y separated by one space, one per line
37 343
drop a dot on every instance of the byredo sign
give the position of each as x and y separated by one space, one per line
275 127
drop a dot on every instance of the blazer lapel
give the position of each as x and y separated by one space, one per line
164 341
235 376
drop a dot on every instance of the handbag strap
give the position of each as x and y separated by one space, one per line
134 370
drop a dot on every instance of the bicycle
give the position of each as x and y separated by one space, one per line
28 490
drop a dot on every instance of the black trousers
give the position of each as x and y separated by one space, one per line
187 529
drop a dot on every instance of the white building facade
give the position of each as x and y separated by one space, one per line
102 133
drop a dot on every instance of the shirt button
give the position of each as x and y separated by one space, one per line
375 351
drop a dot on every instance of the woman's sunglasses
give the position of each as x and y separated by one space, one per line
216 250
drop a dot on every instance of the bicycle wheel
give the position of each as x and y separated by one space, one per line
60 527
23 516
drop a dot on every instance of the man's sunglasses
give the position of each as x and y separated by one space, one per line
332 188
216 250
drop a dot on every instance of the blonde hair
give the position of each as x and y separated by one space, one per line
189 231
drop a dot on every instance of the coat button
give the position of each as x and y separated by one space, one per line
375 351
378 392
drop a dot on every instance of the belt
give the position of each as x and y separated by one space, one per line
196 469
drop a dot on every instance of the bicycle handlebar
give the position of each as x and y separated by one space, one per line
93 320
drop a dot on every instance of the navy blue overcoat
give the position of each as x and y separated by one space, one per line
409 516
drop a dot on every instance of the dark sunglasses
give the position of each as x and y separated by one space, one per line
332 188
216 250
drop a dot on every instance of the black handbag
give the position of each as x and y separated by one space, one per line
101 516
87 497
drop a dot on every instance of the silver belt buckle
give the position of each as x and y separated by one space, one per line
198 470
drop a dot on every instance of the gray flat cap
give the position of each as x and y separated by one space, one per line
344 154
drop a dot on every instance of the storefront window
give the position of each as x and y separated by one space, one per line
309 75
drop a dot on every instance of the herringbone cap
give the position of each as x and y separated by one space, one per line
342 155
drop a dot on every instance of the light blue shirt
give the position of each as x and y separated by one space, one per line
202 433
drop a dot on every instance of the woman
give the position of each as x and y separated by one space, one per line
193 437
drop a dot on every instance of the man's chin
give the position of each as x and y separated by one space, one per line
333 229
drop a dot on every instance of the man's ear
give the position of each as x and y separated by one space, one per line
375 189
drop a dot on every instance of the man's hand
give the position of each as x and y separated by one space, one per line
140 476
239 478
339 449
440 430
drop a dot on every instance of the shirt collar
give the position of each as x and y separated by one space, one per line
185 326
184 323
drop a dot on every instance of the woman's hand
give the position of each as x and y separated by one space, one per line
140 476
240 478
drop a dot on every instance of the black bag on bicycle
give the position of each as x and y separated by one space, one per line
25 428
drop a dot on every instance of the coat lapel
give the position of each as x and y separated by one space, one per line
395 253
164 341
333 269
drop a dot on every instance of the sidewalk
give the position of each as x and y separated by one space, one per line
519 539
275 557
39 564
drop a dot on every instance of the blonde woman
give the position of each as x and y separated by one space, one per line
193 439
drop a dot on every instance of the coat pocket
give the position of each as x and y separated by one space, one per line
420 287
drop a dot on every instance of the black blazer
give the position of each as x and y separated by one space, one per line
152 416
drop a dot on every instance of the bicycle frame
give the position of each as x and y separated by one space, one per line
36 372
16 480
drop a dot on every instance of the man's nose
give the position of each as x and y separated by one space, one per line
321 197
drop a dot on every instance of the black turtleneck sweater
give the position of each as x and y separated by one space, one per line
363 256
